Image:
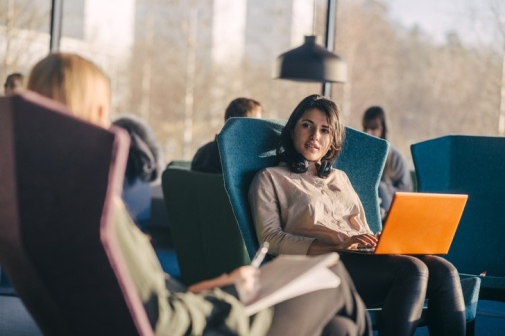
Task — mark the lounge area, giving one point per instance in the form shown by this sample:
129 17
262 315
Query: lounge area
198 223
108 227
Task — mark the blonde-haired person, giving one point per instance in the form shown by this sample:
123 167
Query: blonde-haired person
75 82
211 306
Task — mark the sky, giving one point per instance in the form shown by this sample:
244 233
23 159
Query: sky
437 17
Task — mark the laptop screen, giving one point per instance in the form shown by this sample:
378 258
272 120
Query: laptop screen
421 223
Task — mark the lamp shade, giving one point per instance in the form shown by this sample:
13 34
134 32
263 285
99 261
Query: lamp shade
310 63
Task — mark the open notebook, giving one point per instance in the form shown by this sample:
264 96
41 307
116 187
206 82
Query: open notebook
285 277
420 223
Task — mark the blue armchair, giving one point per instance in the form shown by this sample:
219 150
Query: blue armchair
248 145
473 165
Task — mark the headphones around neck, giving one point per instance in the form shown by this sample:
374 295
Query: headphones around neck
298 164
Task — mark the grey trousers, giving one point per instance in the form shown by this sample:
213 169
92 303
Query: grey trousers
336 311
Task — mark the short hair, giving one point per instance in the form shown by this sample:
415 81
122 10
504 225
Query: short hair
72 80
373 117
241 107
333 114
13 79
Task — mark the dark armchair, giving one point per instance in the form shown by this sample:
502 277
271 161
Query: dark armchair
57 241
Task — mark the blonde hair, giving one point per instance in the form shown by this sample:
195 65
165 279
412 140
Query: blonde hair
73 81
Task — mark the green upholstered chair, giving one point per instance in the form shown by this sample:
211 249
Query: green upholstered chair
248 145
205 234
59 176
473 165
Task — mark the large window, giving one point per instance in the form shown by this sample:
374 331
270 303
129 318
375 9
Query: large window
178 63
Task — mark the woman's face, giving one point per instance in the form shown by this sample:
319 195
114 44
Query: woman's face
312 135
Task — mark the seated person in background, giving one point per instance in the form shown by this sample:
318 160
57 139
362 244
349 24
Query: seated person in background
213 306
305 206
207 158
144 167
13 83
145 159
396 175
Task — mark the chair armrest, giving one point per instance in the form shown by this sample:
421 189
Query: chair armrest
471 287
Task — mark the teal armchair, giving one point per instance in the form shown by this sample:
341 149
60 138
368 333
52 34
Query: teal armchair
473 165
248 145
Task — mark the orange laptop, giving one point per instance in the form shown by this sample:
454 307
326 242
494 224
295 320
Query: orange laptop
420 223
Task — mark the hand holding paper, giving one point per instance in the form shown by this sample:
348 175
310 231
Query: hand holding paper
247 279
247 282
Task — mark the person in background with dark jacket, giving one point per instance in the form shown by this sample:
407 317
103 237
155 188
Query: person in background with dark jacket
145 160
13 83
396 175
144 167
207 158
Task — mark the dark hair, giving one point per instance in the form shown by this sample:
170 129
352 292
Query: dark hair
373 117
241 107
145 159
333 115
11 80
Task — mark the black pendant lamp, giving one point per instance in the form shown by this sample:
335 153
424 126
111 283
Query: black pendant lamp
311 63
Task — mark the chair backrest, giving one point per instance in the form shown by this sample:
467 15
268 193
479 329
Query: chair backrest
473 165
248 145
206 237
57 243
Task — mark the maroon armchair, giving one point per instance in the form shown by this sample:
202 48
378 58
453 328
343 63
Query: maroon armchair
58 176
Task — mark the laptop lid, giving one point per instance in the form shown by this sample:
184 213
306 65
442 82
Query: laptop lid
421 223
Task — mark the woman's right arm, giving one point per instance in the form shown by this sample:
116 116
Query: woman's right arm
363 240
265 206
318 247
